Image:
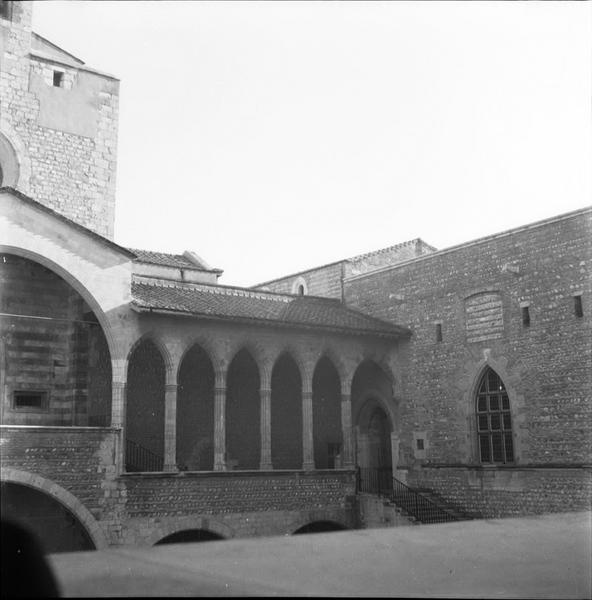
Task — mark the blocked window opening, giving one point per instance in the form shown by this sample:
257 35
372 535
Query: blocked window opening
525 316
58 79
28 400
438 332
578 308
494 420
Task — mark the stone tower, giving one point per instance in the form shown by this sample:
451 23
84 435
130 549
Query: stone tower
58 124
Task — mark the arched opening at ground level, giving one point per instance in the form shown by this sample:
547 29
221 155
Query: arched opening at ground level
144 449
195 412
190 535
56 528
320 527
57 366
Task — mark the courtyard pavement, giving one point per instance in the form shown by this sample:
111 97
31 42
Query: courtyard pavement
535 557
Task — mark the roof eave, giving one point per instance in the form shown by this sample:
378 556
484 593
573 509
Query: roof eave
400 333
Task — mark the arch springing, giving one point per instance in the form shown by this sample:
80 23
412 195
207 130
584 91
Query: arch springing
494 420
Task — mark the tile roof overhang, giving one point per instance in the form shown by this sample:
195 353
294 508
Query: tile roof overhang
243 305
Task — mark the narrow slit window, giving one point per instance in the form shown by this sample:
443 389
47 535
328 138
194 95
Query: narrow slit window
438 332
525 316
578 308
58 79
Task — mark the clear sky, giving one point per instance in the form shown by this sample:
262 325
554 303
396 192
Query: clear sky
270 137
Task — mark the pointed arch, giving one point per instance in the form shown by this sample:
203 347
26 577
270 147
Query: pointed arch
145 406
286 413
243 409
326 415
196 380
493 419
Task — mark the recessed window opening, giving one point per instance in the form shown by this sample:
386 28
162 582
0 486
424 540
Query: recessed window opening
301 290
6 10
30 400
58 79
438 332
494 420
578 308
419 442
525 316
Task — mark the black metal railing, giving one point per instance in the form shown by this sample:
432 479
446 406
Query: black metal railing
375 481
420 507
139 458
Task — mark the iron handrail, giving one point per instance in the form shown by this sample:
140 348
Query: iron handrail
140 458
422 508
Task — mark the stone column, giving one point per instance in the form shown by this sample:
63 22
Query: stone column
265 397
220 421
347 451
118 392
170 427
308 463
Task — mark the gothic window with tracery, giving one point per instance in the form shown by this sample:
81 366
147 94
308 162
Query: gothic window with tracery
494 420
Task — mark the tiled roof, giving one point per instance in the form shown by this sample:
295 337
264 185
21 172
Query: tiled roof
242 304
165 260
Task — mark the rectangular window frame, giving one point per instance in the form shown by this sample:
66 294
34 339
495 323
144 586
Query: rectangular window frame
42 407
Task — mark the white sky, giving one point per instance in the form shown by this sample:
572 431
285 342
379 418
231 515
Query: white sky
271 137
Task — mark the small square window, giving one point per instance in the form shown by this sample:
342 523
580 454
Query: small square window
578 308
58 79
30 400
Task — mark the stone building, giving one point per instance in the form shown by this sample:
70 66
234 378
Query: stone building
142 401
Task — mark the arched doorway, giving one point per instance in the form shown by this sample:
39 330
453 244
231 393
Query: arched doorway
195 412
243 446
374 449
190 535
144 430
286 414
56 528
57 368
320 527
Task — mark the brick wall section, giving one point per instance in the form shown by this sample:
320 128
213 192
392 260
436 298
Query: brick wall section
327 280
231 492
511 493
81 460
545 367
324 281
65 137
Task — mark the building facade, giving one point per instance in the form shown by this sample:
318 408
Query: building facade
142 401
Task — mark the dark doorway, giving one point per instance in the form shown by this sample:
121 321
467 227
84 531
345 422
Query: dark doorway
320 527
190 535
56 528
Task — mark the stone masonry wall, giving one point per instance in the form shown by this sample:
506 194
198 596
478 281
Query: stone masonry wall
476 293
65 138
143 508
324 281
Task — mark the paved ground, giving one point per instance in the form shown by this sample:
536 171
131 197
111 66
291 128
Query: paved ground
538 557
